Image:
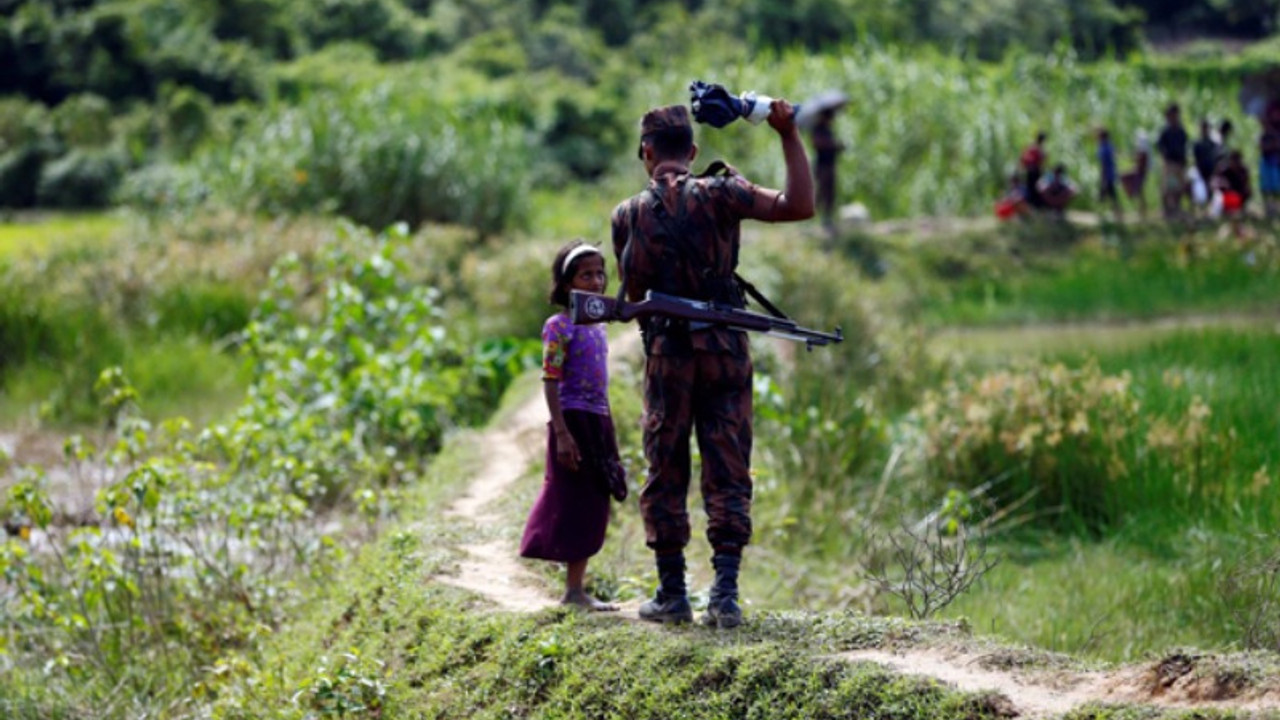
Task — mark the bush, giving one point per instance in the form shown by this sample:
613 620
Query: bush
81 179
83 121
187 120
207 308
382 24
1071 445
20 175
163 188
378 158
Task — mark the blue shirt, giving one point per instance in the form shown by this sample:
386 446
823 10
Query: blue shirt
1107 156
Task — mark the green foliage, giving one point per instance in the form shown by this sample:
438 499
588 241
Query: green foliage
377 158
345 686
1074 445
187 121
1134 274
198 539
81 178
385 25
377 362
25 144
83 121
163 189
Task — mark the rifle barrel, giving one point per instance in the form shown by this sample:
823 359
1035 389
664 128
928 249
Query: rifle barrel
585 308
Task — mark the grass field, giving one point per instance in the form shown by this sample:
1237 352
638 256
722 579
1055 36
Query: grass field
35 235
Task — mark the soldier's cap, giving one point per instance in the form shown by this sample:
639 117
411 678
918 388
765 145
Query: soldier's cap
671 117
663 120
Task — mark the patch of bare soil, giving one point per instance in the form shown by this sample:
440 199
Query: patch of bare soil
1177 682
490 569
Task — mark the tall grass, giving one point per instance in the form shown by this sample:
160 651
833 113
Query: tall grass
932 134
1159 274
32 236
378 157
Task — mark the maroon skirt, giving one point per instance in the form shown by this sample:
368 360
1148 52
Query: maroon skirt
568 520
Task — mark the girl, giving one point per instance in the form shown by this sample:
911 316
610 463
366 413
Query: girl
567 523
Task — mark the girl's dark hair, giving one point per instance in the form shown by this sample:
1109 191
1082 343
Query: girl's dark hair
561 275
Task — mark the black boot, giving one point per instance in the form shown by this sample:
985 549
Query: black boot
671 604
722 609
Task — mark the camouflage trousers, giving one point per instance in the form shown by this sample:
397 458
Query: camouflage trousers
710 394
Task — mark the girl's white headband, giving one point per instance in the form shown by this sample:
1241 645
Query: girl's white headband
576 253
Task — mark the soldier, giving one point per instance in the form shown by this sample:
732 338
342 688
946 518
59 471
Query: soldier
681 236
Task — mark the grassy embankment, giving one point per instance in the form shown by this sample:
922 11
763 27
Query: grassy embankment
1144 528
386 640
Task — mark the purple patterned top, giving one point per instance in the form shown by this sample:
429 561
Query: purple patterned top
577 356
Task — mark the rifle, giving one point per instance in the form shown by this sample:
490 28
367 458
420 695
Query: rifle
588 308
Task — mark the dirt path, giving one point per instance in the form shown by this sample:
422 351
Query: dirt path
492 571
490 568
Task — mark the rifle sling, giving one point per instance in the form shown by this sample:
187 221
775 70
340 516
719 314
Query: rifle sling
691 252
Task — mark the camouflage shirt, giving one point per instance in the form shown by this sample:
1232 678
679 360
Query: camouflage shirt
695 266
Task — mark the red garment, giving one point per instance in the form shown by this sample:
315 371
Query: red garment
1033 158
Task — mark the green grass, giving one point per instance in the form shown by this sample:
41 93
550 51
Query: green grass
1113 599
1000 284
1235 374
174 376
1158 579
38 235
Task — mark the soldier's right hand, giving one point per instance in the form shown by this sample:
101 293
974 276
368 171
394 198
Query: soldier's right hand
782 117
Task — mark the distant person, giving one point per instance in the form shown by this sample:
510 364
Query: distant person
1135 181
1057 190
568 520
1269 159
1233 179
1172 146
1233 190
1013 204
1225 130
827 148
1033 160
1207 153
1108 176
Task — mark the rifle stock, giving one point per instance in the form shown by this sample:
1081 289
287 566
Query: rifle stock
589 308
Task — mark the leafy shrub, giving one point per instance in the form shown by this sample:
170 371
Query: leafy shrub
207 308
504 307
377 359
20 175
26 143
21 123
378 158
496 54
585 137
83 121
81 178
163 187
187 120
383 24
191 551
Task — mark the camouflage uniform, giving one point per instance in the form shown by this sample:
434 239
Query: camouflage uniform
681 236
